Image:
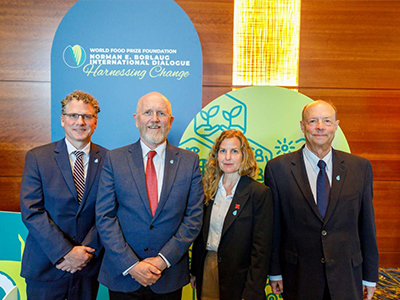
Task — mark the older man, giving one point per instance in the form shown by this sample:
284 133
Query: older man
149 209
58 194
324 243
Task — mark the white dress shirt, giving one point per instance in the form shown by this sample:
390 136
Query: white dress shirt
219 210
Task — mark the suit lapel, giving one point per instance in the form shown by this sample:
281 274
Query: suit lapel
299 172
62 160
171 166
238 202
338 177
93 168
135 161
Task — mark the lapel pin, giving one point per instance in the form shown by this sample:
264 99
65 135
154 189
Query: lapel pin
338 177
237 206
96 160
171 161
235 212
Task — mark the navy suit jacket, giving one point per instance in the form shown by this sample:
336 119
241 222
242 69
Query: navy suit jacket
245 245
306 248
128 230
50 210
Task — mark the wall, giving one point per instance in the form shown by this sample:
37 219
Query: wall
349 53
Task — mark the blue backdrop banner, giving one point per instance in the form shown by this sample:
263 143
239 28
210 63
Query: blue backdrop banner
120 50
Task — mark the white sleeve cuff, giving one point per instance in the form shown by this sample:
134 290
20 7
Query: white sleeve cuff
127 270
369 283
165 260
275 277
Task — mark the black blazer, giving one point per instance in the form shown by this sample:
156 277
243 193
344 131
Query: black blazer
245 246
305 246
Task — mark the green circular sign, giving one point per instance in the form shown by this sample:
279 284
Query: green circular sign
268 116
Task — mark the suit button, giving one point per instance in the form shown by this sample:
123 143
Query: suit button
323 260
324 232
151 227
146 249
219 259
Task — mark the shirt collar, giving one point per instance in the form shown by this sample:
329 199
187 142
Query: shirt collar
71 148
160 149
313 159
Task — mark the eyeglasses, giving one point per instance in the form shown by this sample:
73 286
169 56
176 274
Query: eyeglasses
74 116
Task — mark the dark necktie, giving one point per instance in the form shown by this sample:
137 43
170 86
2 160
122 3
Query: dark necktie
79 174
151 182
323 189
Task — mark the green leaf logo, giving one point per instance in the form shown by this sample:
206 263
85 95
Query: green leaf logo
74 56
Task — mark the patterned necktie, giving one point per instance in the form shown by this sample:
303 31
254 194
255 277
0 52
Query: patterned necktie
323 189
79 174
151 182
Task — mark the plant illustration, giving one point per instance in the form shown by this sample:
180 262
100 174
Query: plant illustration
229 116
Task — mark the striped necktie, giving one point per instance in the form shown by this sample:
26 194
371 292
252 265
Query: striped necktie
79 174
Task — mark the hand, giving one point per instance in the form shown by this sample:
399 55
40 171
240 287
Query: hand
76 259
370 291
158 262
145 273
193 281
277 286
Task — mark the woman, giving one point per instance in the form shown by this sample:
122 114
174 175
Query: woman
231 254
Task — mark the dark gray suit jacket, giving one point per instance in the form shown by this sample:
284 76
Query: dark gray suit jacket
128 230
50 210
305 246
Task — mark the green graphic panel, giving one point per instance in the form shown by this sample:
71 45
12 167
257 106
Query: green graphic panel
13 235
270 119
268 116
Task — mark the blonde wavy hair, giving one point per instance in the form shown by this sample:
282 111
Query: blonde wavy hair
213 173
80 96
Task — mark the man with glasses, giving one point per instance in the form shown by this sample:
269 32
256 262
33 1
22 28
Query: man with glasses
58 191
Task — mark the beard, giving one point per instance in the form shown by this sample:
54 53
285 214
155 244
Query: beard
155 138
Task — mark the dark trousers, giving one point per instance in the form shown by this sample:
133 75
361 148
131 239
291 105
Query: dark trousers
326 295
71 287
145 293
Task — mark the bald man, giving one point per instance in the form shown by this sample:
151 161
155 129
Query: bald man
324 244
149 209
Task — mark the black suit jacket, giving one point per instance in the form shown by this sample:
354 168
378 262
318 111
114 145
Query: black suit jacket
245 246
50 210
305 246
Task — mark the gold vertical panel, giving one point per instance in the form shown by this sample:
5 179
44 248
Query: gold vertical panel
266 42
